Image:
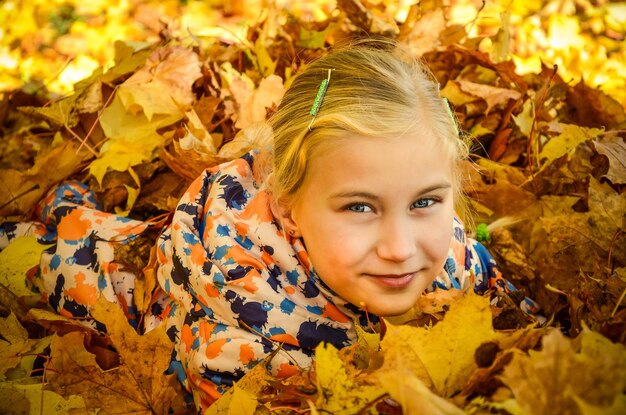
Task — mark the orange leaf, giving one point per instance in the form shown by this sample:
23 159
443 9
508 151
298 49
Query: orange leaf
137 385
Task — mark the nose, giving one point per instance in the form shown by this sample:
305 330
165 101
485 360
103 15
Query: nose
397 240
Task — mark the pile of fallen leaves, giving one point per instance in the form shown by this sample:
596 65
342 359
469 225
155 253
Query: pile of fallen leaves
548 177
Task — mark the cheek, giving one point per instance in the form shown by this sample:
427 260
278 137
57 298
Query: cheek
439 238
333 246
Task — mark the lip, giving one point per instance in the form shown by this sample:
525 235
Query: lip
394 280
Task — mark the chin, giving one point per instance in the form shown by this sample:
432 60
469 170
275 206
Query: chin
390 311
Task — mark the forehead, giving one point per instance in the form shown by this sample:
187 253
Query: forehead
381 165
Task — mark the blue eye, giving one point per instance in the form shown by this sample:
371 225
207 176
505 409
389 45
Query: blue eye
359 208
424 203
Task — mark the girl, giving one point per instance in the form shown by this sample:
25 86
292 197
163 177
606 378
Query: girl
356 217
355 220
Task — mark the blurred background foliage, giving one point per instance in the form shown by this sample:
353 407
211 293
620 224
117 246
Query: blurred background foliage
56 43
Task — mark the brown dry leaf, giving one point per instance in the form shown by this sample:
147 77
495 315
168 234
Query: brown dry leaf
421 33
144 287
250 104
19 192
138 385
431 305
510 256
55 322
453 93
65 112
550 381
495 185
163 85
492 358
614 148
593 108
494 96
564 245
197 148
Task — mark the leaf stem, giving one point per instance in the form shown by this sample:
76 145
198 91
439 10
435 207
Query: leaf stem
619 302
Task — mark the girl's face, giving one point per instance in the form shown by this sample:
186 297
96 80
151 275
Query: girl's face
376 218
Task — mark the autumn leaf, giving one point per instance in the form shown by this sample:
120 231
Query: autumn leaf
30 398
192 85
564 372
137 385
414 396
339 392
16 259
442 356
54 322
249 104
494 96
614 148
17 352
22 190
13 344
132 138
153 97
580 235
241 399
569 137
366 347
163 85
431 306
421 32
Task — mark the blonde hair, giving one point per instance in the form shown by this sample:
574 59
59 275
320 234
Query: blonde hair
376 90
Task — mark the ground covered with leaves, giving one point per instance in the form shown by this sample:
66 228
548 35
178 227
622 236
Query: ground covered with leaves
180 86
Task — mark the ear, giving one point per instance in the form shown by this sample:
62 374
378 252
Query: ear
283 212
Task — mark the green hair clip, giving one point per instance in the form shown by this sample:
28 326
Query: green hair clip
482 233
451 114
319 98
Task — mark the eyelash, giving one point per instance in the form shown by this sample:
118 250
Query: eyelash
432 200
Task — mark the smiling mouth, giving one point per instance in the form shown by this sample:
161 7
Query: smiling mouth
394 280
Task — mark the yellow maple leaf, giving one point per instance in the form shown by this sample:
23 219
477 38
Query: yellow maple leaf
414 396
569 137
132 138
237 401
16 259
13 344
31 398
442 356
163 85
339 392
17 351
137 385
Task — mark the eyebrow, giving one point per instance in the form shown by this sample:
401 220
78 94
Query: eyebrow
371 196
